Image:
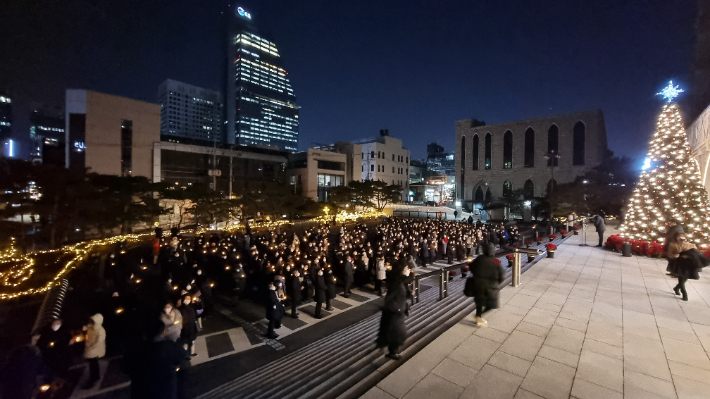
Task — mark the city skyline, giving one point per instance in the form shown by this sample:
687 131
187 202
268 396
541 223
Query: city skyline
414 70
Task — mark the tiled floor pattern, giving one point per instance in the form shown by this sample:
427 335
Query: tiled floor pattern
587 324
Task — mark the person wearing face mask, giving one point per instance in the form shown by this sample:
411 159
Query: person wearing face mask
95 348
330 294
349 276
188 334
172 319
294 291
321 293
274 312
393 331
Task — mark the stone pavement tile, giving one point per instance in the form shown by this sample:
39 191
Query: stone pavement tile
603 348
523 394
376 393
690 338
578 304
514 309
571 324
606 309
400 381
703 334
548 306
576 314
540 317
684 352
474 352
689 389
522 345
555 298
549 379
492 334
586 390
640 324
510 363
689 372
494 383
646 356
453 371
643 382
522 301
504 321
606 333
528 292
636 393
533 329
565 339
598 318
586 295
434 386
696 312
601 370
675 324
641 306
559 355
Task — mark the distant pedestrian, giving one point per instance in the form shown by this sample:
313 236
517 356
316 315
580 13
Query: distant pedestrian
393 331
487 277
456 215
294 292
598 222
188 334
381 274
321 293
349 276
95 348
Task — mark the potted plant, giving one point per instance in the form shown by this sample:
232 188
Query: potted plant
510 258
553 237
576 230
539 240
551 248
528 243
496 261
564 233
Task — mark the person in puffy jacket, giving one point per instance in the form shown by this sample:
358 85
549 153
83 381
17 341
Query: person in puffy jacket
95 348
172 318
380 274
487 276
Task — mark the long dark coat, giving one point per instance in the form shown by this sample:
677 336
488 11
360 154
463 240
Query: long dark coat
330 282
487 276
293 288
393 331
349 273
152 368
274 308
189 323
689 263
321 289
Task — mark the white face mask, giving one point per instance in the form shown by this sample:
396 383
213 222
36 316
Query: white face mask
199 272
56 327
168 310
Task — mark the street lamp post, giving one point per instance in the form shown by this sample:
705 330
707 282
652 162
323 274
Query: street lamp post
552 156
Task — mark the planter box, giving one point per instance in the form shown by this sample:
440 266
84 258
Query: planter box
550 254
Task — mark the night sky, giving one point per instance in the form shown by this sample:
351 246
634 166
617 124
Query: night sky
413 67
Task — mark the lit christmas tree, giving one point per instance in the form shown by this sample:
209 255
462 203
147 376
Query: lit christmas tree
669 186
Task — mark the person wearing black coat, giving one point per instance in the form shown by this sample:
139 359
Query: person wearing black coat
487 276
330 282
687 265
188 334
348 277
274 312
293 290
153 366
321 293
393 331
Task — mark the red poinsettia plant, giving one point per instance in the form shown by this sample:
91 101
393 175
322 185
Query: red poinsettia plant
496 261
510 257
563 232
539 239
553 236
576 227
551 247
528 243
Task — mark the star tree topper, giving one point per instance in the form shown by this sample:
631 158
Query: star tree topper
670 92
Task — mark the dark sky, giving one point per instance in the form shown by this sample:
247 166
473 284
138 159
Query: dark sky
413 67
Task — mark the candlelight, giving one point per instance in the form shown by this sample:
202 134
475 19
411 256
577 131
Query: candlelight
119 310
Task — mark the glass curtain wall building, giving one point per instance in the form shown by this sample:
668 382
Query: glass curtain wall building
261 105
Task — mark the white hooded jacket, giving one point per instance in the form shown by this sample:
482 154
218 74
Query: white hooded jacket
95 339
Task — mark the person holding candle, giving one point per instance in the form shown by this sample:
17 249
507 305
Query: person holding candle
95 348
393 331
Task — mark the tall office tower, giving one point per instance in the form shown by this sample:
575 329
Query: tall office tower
47 134
261 106
8 145
189 112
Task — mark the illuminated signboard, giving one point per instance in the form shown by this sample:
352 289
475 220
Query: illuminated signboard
79 145
242 12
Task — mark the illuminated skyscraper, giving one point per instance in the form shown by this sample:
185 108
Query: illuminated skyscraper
261 106
8 145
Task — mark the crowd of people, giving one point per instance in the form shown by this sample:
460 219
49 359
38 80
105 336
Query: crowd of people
155 301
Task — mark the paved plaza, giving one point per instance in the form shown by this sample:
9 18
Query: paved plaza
587 324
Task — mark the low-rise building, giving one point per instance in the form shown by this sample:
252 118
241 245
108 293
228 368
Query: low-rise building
494 160
385 159
314 172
